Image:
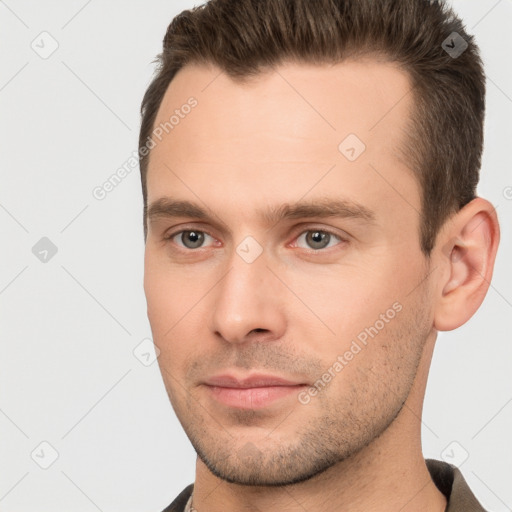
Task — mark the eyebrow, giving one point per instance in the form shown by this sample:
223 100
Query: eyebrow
167 207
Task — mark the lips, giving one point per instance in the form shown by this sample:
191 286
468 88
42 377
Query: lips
252 392
253 381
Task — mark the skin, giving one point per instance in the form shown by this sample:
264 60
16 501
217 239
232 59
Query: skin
356 444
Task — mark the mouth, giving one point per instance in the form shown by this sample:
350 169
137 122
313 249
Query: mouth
253 392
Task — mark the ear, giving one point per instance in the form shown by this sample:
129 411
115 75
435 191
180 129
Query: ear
465 253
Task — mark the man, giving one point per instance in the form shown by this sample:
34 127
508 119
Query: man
309 173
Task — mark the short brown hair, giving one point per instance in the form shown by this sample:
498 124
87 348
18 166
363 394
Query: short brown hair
246 37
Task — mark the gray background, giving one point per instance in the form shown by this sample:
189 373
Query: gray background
69 326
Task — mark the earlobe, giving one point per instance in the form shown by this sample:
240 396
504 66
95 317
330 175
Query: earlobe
467 256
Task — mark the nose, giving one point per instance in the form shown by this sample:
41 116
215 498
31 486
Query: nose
249 303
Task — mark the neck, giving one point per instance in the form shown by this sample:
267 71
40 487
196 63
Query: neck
388 474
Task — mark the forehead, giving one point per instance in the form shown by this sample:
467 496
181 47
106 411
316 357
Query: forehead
367 97
281 131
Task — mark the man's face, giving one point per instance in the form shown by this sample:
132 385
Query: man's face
340 300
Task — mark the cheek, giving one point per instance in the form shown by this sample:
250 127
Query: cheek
168 290
342 301
174 299
164 297
359 314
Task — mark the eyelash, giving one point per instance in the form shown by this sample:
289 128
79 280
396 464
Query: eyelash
342 240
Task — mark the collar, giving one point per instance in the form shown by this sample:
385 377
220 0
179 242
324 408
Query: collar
447 478
451 483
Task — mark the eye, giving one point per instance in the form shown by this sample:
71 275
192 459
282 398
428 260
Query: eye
316 239
319 239
190 239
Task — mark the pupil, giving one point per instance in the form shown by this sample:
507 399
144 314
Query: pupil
193 239
318 237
